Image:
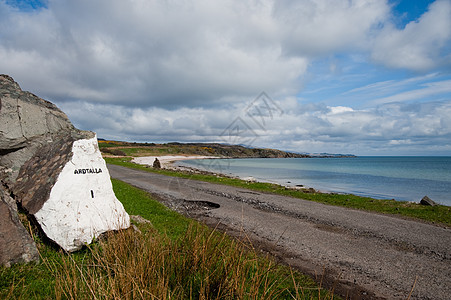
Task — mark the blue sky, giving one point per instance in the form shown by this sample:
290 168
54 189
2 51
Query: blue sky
368 77
406 11
27 5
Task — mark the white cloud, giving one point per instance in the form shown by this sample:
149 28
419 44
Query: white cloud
340 109
147 53
322 27
418 46
184 70
196 53
391 85
427 90
304 128
178 53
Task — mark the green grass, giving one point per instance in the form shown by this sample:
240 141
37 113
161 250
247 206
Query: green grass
435 214
35 280
145 151
218 253
172 258
149 150
138 202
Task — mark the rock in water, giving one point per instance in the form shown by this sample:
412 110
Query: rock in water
54 171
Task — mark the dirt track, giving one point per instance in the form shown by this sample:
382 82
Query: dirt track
366 255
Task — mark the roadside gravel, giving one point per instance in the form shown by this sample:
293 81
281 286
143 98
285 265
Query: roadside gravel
363 255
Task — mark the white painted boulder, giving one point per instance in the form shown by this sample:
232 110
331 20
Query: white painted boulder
82 205
53 173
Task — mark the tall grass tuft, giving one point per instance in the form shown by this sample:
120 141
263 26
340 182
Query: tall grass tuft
204 264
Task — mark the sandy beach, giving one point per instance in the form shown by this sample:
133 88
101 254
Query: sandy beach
167 161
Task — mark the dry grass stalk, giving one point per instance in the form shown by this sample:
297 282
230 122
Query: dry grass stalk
202 265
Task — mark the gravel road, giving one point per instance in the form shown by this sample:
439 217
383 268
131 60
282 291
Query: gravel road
364 255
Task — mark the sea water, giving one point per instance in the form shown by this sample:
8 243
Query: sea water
403 178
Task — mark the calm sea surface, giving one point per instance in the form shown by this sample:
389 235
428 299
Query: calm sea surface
404 178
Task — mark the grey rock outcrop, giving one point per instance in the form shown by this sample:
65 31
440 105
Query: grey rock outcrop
17 246
36 144
156 164
427 201
27 123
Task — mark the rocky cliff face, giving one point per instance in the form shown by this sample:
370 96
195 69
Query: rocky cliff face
36 144
27 123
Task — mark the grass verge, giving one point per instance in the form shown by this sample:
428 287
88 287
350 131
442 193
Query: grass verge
439 214
172 258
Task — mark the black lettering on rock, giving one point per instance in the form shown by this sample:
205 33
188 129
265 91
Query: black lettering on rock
88 171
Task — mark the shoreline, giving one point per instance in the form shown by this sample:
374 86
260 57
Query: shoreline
346 187
169 162
369 185
301 233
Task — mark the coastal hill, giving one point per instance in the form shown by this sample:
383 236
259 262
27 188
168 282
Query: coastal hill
208 149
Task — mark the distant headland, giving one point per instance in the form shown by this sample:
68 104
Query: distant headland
120 148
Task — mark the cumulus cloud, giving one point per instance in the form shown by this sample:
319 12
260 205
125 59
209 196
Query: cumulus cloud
195 53
419 46
301 128
147 52
322 27
186 70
